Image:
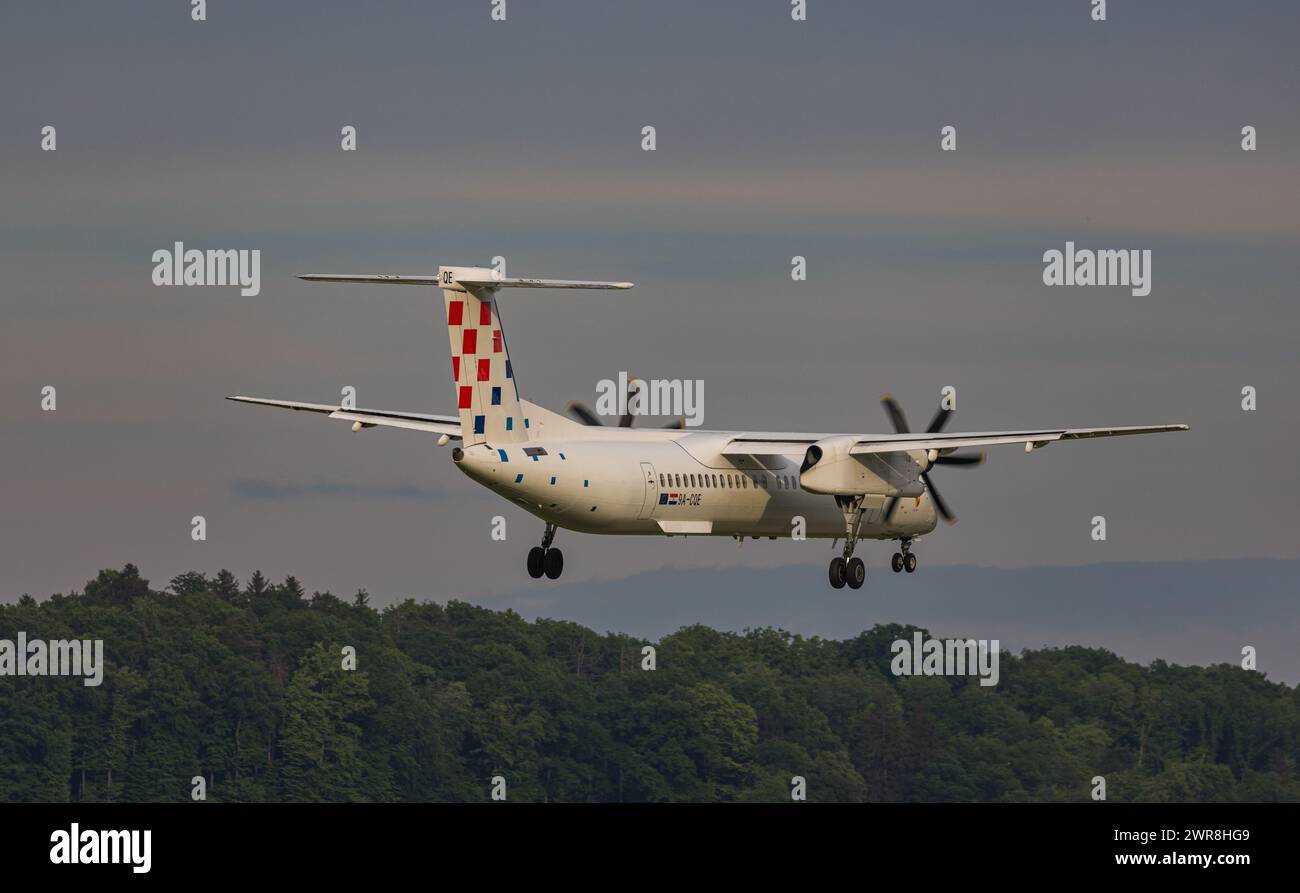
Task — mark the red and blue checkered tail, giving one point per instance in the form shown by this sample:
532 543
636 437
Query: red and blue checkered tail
486 390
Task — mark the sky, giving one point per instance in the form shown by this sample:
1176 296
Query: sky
523 139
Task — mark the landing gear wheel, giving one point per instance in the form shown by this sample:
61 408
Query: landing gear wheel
536 559
838 573
856 572
909 562
897 562
554 563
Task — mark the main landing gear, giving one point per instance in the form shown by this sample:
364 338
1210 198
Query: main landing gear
849 569
545 560
904 559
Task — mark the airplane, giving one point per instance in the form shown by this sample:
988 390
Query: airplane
590 478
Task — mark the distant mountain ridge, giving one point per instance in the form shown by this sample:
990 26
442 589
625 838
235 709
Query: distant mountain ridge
1192 612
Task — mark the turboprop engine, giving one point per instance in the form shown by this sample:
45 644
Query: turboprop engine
828 467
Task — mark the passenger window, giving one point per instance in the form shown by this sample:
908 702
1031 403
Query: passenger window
661 479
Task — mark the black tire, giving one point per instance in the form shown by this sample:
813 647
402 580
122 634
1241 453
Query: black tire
909 563
856 572
536 561
837 573
897 562
554 563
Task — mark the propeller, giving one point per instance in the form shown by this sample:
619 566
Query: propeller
582 412
937 424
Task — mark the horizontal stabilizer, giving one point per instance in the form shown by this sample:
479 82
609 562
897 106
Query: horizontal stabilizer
414 421
542 283
461 278
381 278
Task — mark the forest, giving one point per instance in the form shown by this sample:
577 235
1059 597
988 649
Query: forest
249 686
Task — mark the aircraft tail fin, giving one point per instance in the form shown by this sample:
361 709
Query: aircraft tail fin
487 392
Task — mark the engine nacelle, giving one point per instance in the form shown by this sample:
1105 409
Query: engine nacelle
829 468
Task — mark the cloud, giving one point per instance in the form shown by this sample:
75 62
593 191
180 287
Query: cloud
1137 192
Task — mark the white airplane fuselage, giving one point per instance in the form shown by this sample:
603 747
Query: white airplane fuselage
675 483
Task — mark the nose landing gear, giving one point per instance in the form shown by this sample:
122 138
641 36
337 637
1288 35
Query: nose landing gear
904 560
545 560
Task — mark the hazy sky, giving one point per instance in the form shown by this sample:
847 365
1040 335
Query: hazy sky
523 139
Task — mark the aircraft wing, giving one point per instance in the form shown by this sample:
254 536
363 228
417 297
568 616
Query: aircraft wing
414 421
891 443
795 445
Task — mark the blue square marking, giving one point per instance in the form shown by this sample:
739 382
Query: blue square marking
519 479
510 423
509 372
479 421
552 482
586 483
496 396
502 454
